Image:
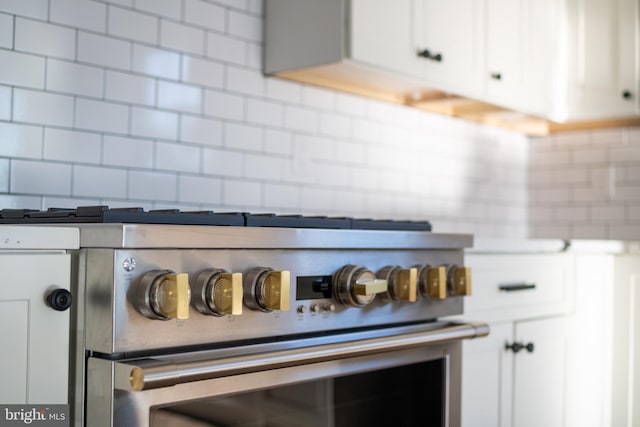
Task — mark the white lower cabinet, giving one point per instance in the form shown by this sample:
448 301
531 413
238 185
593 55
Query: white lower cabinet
526 387
582 319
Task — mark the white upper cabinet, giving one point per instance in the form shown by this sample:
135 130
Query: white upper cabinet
564 60
602 69
380 35
450 41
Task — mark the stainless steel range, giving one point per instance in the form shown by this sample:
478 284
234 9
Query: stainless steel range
264 320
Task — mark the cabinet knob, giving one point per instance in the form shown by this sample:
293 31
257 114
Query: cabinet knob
627 94
59 299
426 53
496 76
517 346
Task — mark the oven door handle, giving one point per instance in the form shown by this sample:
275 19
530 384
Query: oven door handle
149 373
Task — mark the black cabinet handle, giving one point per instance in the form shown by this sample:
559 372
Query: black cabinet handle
627 94
59 299
517 346
426 53
511 287
496 76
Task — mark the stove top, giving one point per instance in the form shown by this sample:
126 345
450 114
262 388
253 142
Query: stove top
137 215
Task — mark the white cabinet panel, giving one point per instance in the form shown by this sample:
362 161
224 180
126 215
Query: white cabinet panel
37 359
539 375
14 328
382 34
487 379
455 30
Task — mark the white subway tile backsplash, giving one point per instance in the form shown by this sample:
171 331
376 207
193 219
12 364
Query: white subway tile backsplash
177 157
130 88
132 25
282 196
20 202
589 231
6 31
226 49
200 130
45 39
203 72
152 123
283 90
99 182
105 51
607 213
549 195
30 177
223 105
127 152
243 137
625 231
254 56
222 163
255 6
316 97
203 14
20 140
627 154
265 112
181 37
301 119
85 14
195 189
33 8
278 142
72 78
180 97
572 213
250 82
245 26
591 156
101 116
335 125
5 103
168 8
42 108
4 176
242 193
22 70
633 213
156 62
628 192
263 167
157 186
236 4
351 105
71 146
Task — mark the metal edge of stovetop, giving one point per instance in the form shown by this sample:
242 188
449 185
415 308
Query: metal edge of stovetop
224 237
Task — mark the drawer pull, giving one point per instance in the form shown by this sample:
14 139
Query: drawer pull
511 287
517 346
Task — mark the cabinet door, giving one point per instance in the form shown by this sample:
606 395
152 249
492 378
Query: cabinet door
539 375
603 49
34 356
453 29
625 402
382 34
487 379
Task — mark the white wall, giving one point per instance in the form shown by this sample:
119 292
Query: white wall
586 185
161 103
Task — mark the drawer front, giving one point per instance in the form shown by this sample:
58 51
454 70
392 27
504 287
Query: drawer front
518 286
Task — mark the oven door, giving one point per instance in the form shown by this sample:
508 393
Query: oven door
403 376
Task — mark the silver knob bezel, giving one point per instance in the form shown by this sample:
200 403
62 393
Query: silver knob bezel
344 283
203 289
253 289
147 300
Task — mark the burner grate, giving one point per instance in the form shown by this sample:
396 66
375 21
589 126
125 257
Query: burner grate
137 215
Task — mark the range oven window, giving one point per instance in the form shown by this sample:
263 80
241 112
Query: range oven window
411 395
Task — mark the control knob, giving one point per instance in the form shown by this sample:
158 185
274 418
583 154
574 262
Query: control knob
163 295
218 292
267 290
432 281
401 283
356 286
459 280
